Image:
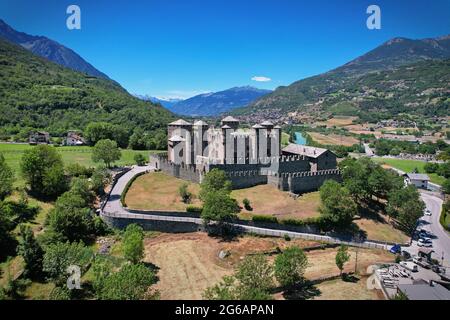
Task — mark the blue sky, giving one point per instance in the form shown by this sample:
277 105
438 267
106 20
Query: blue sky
178 48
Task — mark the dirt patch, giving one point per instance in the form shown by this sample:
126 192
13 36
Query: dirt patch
322 262
341 290
190 263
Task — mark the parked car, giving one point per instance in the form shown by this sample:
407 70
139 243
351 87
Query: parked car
409 265
406 254
438 269
425 239
427 212
422 243
396 249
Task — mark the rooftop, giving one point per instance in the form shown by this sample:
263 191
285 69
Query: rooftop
311 152
425 291
200 123
180 122
230 119
418 176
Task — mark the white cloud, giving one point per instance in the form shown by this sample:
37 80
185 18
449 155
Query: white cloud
261 79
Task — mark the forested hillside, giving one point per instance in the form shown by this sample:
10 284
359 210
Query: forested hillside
38 94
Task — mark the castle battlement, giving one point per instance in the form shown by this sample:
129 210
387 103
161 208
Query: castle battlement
248 158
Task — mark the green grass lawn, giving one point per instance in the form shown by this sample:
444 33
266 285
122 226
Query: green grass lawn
81 155
409 166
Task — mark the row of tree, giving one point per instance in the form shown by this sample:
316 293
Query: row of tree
254 277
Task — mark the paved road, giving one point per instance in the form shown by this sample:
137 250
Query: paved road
369 151
113 204
441 238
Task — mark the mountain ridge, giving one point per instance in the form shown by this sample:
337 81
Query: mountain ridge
390 55
216 103
49 49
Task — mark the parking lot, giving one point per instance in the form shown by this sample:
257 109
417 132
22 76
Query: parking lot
390 276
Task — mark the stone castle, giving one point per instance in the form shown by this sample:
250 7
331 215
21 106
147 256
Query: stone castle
249 157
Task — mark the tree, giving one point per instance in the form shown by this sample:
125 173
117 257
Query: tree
184 193
342 257
97 131
6 178
446 186
251 281
70 218
107 151
132 282
255 272
337 206
43 170
214 180
59 256
219 206
139 159
230 289
406 207
7 241
290 266
431 167
100 178
31 252
133 243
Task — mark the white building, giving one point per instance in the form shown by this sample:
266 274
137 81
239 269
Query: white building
419 180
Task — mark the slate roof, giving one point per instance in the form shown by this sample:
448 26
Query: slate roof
418 176
311 152
180 122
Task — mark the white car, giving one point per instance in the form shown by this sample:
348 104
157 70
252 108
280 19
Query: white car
424 243
409 266
427 212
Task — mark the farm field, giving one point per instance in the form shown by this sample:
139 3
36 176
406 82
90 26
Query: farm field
158 191
338 121
81 155
409 166
333 139
189 263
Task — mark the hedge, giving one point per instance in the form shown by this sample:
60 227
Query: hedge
262 218
194 209
127 187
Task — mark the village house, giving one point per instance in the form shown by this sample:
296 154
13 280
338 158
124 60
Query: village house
74 139
419 180
39 137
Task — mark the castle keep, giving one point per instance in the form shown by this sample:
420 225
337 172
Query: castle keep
249 157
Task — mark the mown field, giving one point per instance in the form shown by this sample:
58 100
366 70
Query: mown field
410 166
81 155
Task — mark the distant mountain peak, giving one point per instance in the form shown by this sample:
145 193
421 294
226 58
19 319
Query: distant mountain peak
216 103
49 49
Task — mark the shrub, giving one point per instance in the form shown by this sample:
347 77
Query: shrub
247 204
194 209
293 222
139 159
263 218
185 195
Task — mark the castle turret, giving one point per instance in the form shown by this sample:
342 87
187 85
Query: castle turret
180 142
200 139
